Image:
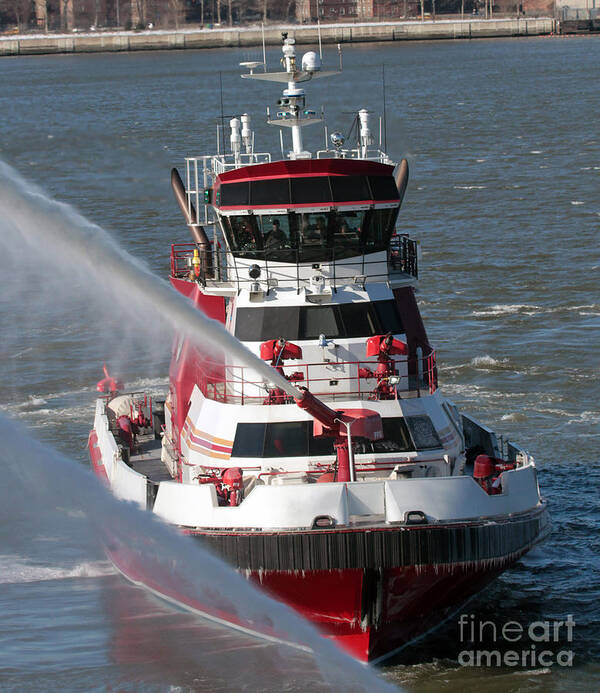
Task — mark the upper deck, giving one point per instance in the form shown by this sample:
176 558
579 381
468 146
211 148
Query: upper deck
290 218
311 220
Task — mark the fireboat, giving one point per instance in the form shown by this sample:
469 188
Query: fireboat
348 486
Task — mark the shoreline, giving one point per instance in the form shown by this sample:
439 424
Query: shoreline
124 41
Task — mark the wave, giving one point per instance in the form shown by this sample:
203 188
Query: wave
508 309
586 417
148 383
469 187
487 362
515 416
17 570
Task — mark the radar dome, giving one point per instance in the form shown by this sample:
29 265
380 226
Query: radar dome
311 62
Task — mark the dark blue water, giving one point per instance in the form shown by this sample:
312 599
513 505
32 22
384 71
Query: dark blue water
504 151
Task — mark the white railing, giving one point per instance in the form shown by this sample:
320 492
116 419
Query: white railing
126 483
201 172
372 155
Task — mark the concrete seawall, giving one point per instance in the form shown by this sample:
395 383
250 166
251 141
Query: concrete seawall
221 38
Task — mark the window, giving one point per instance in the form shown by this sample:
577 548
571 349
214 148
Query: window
349 188
318 320
383 188
359 319
295 439
314 189
396 437
389 320
423 433
347 233
275 230
379 224
308 189
348 320
310 237
284 439
243 234
313 229
249 440
235 194
259 324
270 192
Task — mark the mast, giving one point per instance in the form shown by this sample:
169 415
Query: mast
291 111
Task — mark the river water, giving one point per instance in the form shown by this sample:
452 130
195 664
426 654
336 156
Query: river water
504 197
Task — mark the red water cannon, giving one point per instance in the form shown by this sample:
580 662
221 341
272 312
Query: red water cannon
328 423
228 483
233 483
486 471
276 351
109 385
383 347
140 419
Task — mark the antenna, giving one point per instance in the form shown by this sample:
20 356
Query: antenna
352 126
384 109
320 44
262 26
222 116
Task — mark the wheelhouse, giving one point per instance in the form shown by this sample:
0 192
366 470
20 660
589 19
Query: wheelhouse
307 211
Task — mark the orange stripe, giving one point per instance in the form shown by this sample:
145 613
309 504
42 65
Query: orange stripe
214 439
208 453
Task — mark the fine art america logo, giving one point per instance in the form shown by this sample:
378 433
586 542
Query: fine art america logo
513 644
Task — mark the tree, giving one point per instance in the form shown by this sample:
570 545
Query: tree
67 16
41 14
17 11
176 7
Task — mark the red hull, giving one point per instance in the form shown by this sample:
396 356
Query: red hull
412 600
370 608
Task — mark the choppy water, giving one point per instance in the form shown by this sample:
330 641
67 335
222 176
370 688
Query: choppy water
504 196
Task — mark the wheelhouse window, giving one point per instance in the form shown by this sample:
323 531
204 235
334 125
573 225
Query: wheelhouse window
314 230
277 232
307 190
234 194
311 189
274 192
383 188
348 320
309 236
378 229
348 188
243 234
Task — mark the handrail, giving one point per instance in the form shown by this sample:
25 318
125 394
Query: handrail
401 258
231 383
